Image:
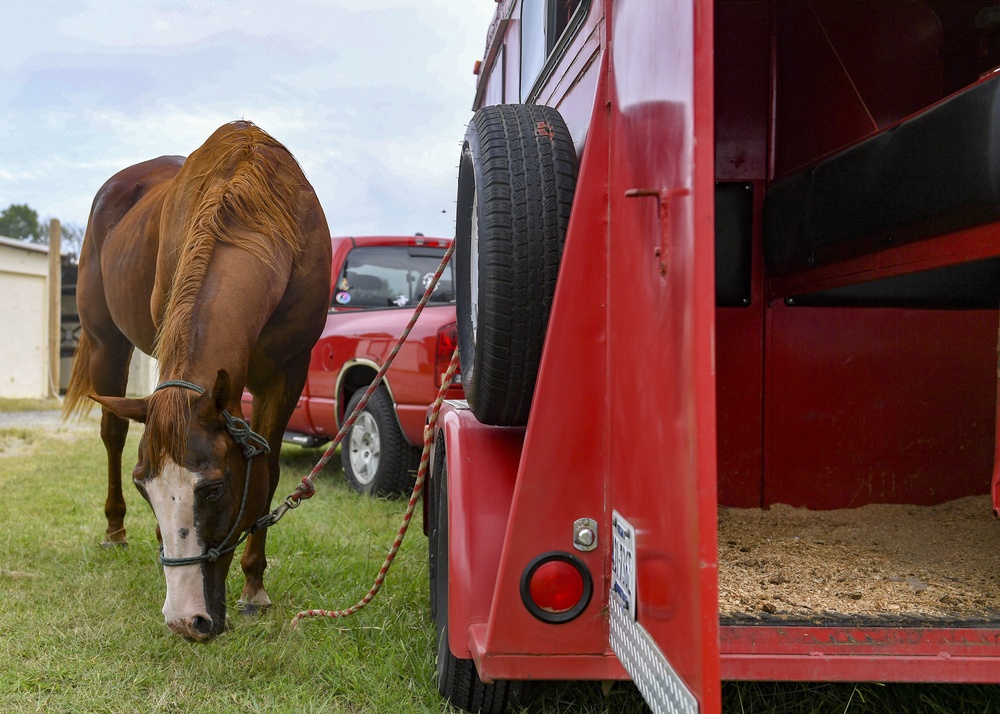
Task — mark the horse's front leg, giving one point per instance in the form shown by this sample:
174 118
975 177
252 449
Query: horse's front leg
272 408
254 597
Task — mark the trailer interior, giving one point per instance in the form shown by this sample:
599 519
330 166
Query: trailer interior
857 290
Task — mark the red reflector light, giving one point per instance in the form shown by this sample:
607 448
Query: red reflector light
447 341
556 587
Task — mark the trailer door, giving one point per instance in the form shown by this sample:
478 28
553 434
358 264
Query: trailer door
664 621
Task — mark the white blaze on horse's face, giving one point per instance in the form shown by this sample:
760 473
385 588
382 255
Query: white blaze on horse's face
172 496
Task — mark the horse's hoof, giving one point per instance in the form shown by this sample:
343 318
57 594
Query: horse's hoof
110 544
253 603
248 609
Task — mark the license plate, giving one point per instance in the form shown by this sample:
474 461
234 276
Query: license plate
623 563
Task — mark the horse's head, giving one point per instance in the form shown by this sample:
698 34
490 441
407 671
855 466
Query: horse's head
196 469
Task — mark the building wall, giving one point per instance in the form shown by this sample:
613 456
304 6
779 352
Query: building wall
24 350
143 375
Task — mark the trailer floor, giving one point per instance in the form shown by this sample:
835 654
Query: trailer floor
882 565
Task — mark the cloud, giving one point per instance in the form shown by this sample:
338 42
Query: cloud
370 95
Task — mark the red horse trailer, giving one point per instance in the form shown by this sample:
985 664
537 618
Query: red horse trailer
728 280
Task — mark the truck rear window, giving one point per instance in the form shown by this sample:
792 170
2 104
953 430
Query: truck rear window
391 276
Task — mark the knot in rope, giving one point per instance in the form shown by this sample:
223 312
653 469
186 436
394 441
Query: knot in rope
211 555
253 443
303 490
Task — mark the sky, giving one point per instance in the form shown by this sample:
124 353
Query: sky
371 96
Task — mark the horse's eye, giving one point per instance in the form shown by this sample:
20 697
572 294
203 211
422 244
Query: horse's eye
214 492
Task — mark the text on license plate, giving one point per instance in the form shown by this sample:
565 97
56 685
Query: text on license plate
623 563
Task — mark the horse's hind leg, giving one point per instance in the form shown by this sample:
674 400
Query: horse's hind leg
114 431
109 373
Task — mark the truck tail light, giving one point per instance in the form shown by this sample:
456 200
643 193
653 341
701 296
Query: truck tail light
556 587
447 341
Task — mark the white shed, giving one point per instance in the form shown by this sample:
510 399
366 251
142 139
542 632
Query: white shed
24 319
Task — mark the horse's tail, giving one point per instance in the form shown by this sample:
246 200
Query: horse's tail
80 385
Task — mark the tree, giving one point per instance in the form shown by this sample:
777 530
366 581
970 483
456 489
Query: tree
71 240
20 221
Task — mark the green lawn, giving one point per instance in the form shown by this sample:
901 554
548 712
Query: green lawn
81 629
29 405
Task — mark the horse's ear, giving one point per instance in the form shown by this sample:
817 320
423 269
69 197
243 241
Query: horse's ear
212 403
221 390
124 407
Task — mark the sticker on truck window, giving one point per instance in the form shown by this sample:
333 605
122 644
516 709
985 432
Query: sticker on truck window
623 563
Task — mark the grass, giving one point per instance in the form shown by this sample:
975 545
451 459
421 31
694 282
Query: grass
81 630
15 438
29 405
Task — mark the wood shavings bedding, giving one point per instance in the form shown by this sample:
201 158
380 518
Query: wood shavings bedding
878 560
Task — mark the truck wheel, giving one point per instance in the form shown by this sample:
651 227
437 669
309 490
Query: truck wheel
375 456
516 181
458 680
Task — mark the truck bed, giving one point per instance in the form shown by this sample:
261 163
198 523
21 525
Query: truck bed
876 565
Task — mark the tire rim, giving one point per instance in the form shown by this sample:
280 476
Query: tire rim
366 448
474 266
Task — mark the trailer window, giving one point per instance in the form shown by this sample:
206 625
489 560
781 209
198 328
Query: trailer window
496 90
543 24
391 276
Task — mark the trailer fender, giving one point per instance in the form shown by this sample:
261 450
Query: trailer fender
482 468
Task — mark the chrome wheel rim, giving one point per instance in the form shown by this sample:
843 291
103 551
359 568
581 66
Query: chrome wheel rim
365 448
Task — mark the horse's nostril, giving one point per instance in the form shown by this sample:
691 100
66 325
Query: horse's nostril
202 625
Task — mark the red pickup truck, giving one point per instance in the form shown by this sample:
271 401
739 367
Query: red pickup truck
377 283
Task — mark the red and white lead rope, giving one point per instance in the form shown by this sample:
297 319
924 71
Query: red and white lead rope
306 489
417 487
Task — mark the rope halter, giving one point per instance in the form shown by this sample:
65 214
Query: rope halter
253 444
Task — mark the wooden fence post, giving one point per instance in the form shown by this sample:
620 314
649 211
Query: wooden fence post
55 305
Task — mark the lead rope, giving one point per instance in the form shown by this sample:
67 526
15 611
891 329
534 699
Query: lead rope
401 533
306 488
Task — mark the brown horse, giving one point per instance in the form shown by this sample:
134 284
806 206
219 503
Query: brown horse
219 266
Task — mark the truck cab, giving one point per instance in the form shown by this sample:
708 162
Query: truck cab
377 282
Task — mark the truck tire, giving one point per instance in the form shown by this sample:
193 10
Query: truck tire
376 457
516 181
458 680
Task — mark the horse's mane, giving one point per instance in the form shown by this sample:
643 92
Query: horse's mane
247 199
170 411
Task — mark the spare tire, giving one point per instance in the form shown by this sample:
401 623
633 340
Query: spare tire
516 181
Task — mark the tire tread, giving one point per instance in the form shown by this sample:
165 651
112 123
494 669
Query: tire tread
525 181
